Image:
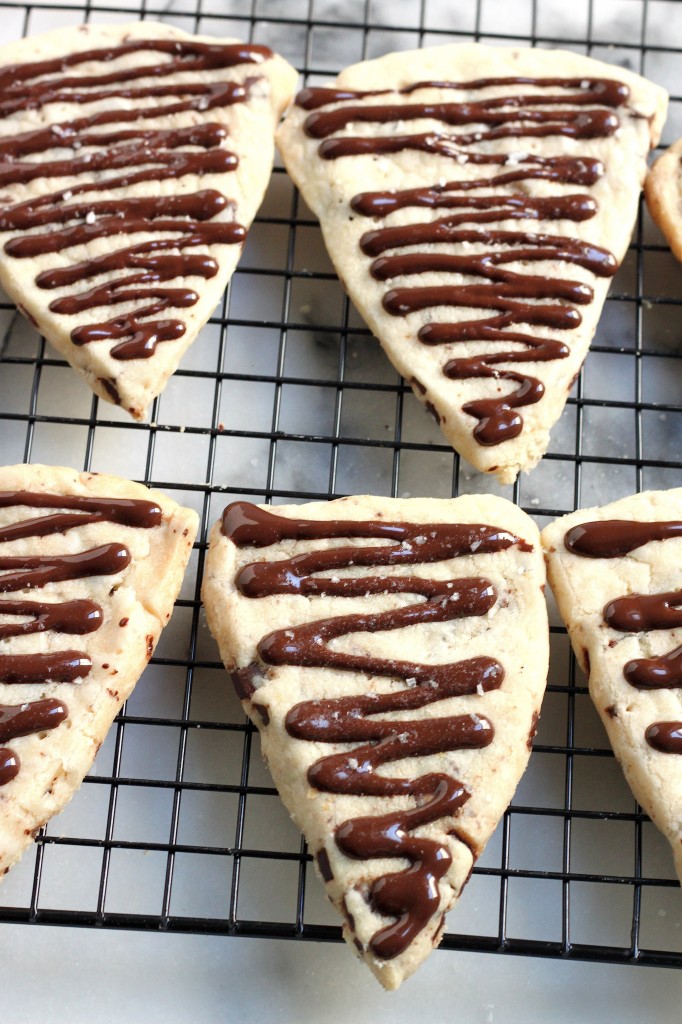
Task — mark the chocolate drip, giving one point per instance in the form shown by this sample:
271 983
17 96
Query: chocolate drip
610 538
154 147
439 143
637 613
58 666
410 896
609 92
125 511
580 109
149 155
246 525
497 418
75 617
22 720
186 55
520 122
29 571
664 672
567 170
35 716
665 737
9 765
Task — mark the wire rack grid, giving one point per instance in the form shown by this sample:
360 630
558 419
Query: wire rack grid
286 397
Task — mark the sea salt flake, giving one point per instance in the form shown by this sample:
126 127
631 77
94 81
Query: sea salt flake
516 158
335 579
90 217
475 546
67 195
479 689
411 682
353 763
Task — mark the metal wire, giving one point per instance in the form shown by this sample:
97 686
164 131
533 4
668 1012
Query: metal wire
287 397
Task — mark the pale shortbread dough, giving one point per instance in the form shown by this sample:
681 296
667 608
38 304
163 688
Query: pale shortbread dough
250 135
514 631
329 185
136 604
583 587
663 191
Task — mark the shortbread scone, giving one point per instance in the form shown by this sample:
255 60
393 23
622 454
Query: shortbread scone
133 159
90 566
393 654
476 202
663 191
616 572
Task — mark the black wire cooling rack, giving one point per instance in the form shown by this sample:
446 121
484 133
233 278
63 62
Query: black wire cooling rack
286 397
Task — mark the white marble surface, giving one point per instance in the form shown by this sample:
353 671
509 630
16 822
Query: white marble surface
85 977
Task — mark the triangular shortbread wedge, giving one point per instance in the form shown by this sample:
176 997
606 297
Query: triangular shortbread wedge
133 158
616 572
476 202
393 654
90 566
663 191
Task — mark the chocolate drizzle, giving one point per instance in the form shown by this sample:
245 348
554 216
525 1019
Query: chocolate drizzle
576 109
70 617
637 613
144 154
411 896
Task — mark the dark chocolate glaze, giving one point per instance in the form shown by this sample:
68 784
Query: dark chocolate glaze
576 109
145 155
71 617
665 737
637 613
58 667
609 92
35 716
74 617
610 538
409 896
664 672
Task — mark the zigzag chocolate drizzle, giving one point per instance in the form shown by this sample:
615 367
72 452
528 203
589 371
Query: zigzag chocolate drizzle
147 155
581 109
77 617
409 896
637 613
